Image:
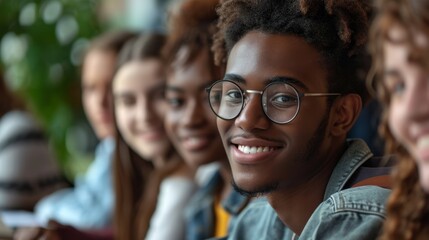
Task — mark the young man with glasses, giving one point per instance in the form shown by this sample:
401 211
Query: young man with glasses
291 92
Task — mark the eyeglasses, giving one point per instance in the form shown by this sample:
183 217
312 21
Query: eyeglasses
280 101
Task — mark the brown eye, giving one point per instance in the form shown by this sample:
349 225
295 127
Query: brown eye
398 88
125 100
395 87
174 100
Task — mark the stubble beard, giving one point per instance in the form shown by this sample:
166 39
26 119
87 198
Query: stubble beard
312 150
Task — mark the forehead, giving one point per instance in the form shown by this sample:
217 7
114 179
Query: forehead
138 74
399 44
395 54
98 66
198 72
263 56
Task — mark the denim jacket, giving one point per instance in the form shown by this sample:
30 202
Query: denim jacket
200 216
90 203
353 213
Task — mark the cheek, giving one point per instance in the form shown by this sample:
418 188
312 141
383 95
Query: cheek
170 123
161 109
123 120
397 121
223 126
88 101
211 119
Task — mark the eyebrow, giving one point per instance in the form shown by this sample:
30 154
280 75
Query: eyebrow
182 89
276 79
122 95
173 88
289 80
391 72
234 77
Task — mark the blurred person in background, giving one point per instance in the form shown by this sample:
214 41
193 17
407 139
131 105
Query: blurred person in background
152 182
28 166
190 123
89 204
400 49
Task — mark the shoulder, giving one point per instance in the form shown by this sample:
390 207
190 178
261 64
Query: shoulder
106 146
365 199
206 173
18 115
17 122
203 199
258 221
177 186
356 213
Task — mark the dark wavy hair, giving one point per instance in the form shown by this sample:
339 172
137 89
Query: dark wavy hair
408 205
336 28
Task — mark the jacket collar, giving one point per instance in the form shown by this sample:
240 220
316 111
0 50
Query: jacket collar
356 154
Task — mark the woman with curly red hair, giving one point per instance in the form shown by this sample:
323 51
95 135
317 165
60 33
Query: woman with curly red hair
400 48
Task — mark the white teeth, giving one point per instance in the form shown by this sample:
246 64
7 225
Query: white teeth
253 150
423 142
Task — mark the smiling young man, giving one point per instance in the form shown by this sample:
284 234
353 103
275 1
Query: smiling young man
291 92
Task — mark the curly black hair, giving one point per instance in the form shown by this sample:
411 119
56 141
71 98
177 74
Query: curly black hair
338 29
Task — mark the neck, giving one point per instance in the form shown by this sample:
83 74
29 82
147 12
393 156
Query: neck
226 174
162 161
295 205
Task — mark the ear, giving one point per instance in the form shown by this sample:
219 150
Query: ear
345 110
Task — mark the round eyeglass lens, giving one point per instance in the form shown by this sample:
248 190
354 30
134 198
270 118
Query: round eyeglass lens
226 99
280 102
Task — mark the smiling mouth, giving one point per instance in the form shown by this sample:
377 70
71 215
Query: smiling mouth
423 147
151 136
254 149
423 142
196 143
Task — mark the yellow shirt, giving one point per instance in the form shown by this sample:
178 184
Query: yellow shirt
221 219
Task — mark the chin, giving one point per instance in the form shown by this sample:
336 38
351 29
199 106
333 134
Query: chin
424 178
102 134
254 191
425 186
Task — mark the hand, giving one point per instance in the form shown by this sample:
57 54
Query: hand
39 233
57 231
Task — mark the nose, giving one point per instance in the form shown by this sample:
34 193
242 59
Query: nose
194 114
252 115
144 112
105 99
417 101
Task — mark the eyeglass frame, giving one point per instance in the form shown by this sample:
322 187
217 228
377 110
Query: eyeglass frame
251 91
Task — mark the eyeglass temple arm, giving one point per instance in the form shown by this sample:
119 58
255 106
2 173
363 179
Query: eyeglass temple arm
320 94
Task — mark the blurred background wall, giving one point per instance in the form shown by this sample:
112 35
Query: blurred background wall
41 45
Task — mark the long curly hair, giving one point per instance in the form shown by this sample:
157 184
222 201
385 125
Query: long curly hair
338 29
408 205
